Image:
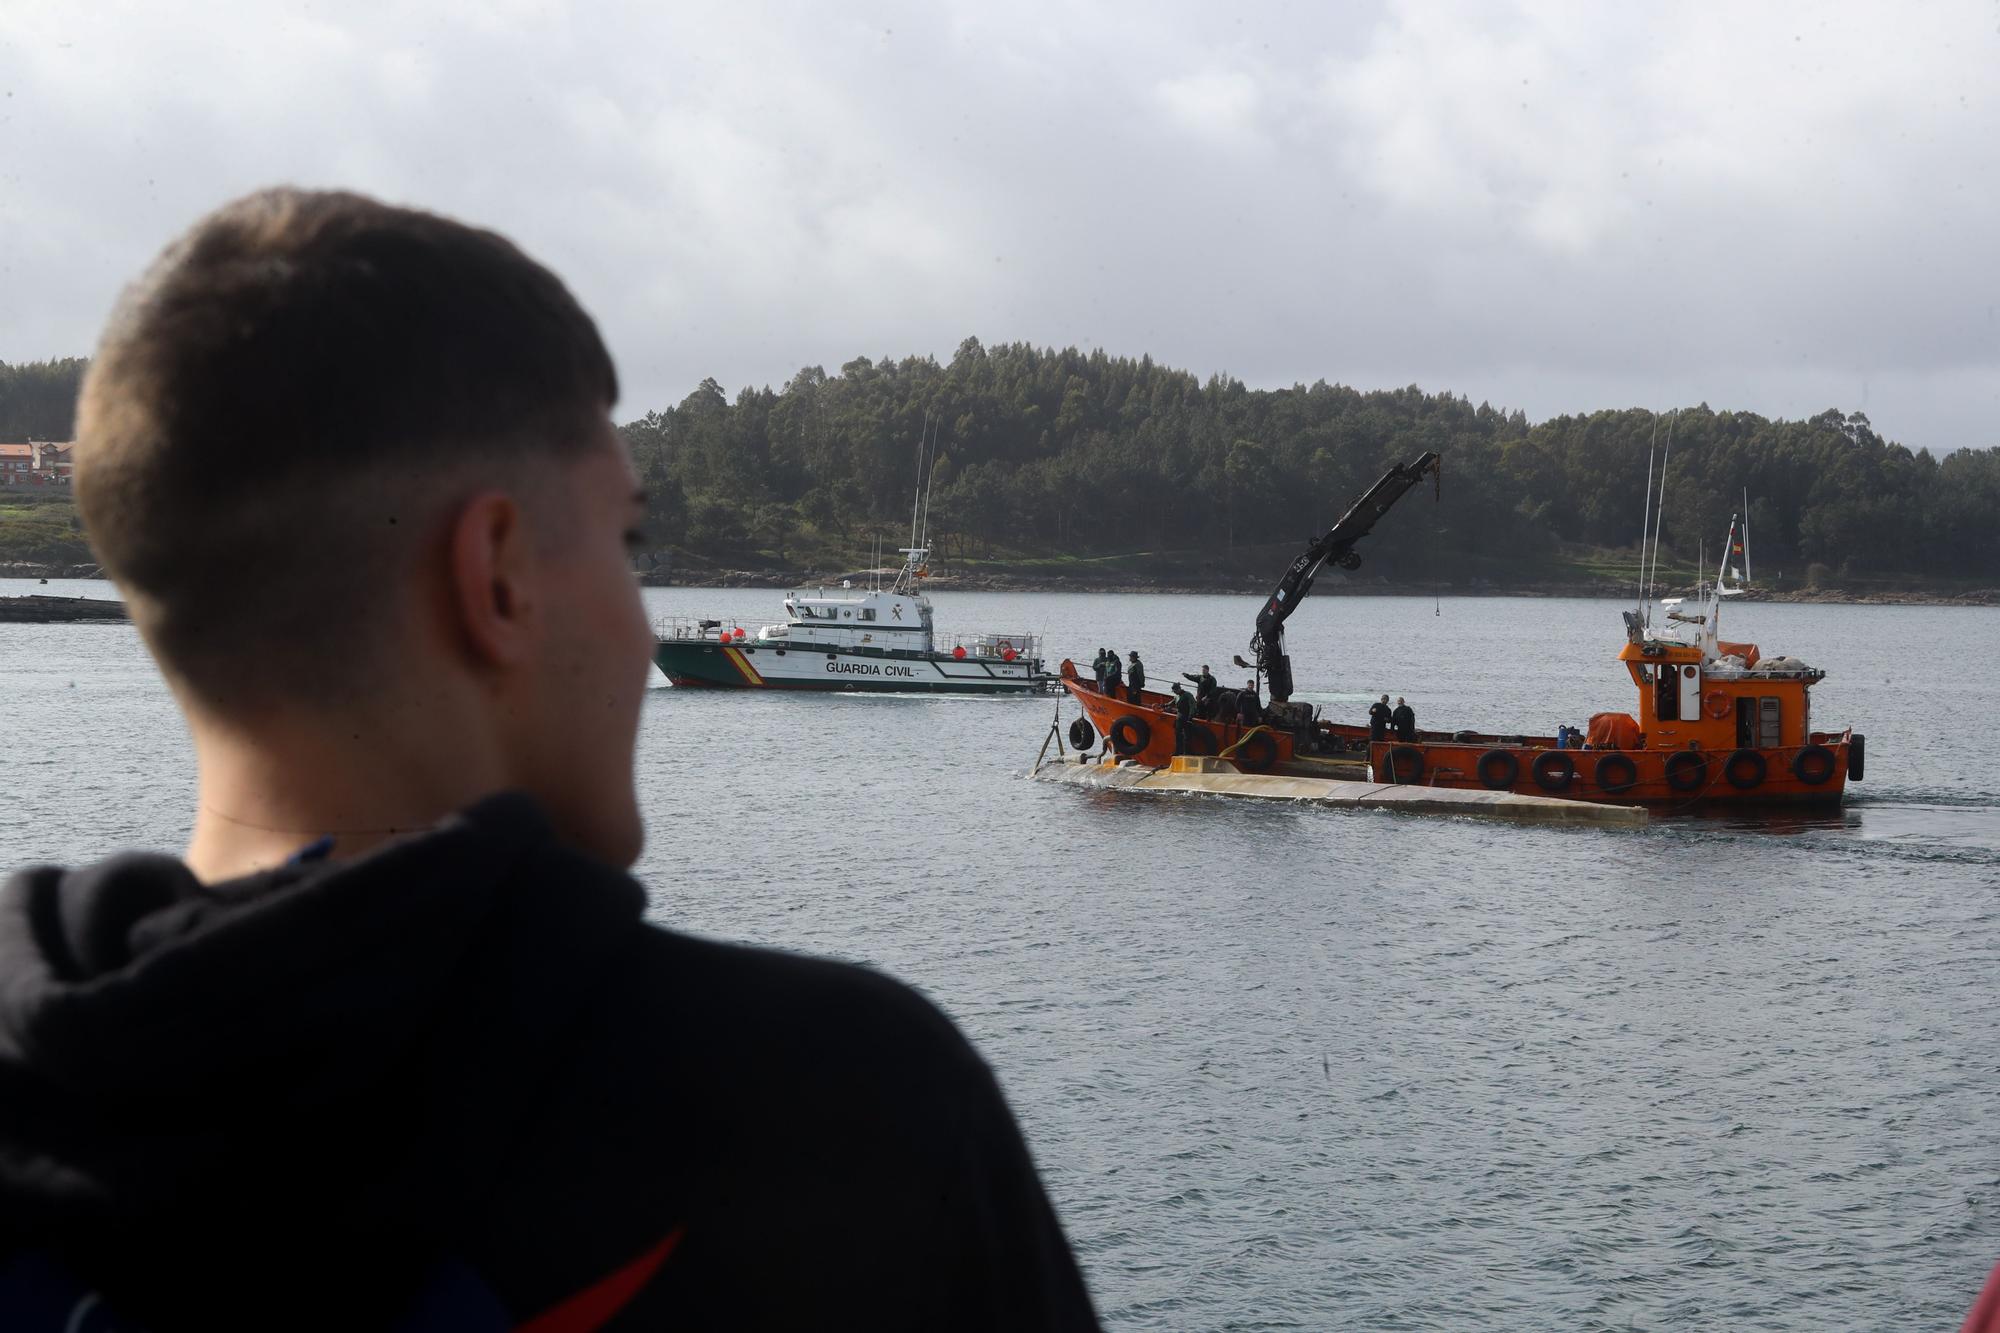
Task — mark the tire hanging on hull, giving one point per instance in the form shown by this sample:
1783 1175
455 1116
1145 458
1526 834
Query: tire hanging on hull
1130 734
1499 770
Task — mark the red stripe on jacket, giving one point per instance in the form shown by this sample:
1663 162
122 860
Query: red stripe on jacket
594 1306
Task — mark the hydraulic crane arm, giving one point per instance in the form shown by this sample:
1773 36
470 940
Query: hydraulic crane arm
1336 545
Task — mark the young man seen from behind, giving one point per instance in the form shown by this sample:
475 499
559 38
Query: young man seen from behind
393 1037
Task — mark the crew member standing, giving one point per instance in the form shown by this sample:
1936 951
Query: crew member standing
1137 675
1379 715
1114 675
1204 690
1097 669
1183 710
1248 710
1404 720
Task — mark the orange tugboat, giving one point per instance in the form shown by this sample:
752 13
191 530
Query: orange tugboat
1717 722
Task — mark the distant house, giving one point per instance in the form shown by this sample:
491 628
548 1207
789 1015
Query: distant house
54 463
37 463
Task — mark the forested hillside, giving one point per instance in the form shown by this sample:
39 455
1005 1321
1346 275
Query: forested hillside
38 399
1087 455
1065 461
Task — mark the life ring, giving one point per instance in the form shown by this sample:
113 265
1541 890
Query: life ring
1081 734
1404 763
1857 758
1615 773
1554 770
1499 769
1687 770
1200 740
1003 646
1745 769
1130 734
1813 765
1718 704
1257 753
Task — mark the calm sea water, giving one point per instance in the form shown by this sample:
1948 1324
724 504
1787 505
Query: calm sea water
1300 1068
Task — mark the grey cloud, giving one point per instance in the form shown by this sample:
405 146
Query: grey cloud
1550 207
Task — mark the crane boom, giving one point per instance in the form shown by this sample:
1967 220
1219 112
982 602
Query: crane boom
1336 545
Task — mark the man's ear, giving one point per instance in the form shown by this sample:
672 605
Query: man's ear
491 588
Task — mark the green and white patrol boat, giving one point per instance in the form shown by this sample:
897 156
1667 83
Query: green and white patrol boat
850 639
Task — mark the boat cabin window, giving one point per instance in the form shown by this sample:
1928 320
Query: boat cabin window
867 613
1666 696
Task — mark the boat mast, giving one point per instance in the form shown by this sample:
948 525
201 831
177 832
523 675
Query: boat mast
1646 513
1660 516
1746 536
917 496
920 507
930 474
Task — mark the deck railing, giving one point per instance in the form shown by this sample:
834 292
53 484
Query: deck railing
714 629
990 645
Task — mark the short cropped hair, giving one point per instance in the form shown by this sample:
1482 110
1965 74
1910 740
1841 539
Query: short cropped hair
274 401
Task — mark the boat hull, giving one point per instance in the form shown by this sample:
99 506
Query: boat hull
1151 741
1448 760
707 664
1777 775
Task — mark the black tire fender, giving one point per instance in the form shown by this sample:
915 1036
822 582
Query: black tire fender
1499 769
1615 773
1745 769
1687 770
1200 740
1405 764
1814 765
1857 757
1130 734
1554 770
1081 734
1257 754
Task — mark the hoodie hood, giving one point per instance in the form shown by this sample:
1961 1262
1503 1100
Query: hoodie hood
336 1049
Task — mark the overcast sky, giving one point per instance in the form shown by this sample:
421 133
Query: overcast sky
1555 207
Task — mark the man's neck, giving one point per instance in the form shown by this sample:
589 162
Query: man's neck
265 796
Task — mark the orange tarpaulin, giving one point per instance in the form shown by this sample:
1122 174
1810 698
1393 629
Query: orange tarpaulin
1746 651
1613 731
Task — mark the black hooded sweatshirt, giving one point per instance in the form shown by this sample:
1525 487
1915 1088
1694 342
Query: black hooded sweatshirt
462 1074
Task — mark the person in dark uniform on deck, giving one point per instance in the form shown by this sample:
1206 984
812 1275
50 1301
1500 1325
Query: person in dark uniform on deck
1404 720
1137 675
1114 675
1097 670
1249 711
1204 690
1183 711
1379 715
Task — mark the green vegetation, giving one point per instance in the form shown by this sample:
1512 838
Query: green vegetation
39 526
38 399
1100 468
1107 463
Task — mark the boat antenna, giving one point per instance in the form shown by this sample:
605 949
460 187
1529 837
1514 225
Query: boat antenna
1660 517
917 496
1646 511
929 475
